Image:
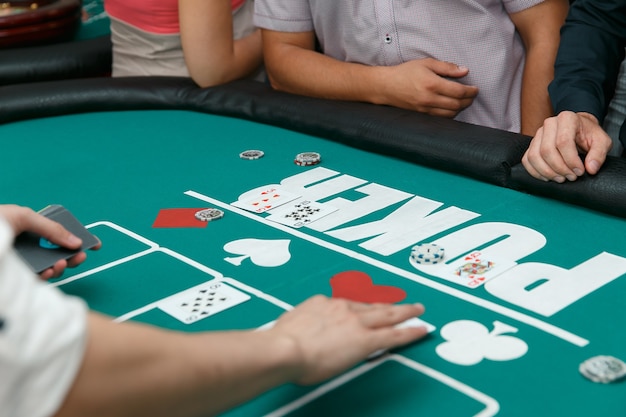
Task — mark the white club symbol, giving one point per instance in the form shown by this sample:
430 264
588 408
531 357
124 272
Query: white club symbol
469 342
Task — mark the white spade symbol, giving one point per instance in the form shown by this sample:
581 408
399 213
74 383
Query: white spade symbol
469 342
262 252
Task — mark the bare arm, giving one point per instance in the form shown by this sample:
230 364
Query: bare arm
132 369
539 28
294 66
211 54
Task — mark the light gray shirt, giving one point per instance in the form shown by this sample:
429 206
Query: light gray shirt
477 34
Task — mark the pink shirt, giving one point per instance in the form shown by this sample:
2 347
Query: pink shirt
154 16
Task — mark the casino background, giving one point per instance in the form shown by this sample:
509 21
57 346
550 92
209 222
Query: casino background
72 77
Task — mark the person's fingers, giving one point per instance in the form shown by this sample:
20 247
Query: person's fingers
389 337
76 260
532 159
447 69
553 152
595 158
596 142
25 219
55 271
381 315
568 165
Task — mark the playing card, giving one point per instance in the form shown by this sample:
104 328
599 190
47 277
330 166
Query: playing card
263 199
300 213
412 322
474 269
202 301
41 254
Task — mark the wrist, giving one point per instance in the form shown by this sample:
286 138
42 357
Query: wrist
287 357
589 117
376 84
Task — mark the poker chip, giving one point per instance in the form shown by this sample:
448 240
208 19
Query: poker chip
209 214
427 253
251 154
603 369
308 158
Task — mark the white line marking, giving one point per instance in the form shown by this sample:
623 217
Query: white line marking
491 405
515 315
269 298
124 231
103 267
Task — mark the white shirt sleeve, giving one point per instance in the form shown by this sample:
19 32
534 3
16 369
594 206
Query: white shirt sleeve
42 338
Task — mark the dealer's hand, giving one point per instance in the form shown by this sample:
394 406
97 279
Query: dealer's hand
333 334
24 219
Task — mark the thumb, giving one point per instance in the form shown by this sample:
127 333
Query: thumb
448 69
54 232
595 158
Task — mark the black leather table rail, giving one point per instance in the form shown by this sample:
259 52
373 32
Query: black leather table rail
485 154
77 59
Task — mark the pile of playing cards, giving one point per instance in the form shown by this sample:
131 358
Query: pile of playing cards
294 210
41 254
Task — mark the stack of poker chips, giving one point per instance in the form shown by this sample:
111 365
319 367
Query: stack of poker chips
307 158
603 369
209 214
427 253
251 154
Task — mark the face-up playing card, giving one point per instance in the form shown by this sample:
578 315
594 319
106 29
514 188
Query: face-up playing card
41 254
263 199
474 269
202 301
301 213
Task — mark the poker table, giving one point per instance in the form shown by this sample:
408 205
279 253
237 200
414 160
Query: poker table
135 159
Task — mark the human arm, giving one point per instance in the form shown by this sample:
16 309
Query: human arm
212 55
538 27
133 369
23 219
587 64
294 66
590 53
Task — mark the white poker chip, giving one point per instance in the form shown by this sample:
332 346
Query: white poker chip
251 154
603 369
308 158
209 214
427 253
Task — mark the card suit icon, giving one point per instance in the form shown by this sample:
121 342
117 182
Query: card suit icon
178 217
262 252
469 342
358 286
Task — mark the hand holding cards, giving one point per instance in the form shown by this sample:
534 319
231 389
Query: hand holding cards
41 254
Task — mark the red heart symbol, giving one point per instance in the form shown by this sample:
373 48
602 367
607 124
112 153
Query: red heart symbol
358 286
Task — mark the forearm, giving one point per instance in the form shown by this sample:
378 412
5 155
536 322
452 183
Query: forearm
132 369
238 59
302 71
211 54
535 101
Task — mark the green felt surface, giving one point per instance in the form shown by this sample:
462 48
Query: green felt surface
115 171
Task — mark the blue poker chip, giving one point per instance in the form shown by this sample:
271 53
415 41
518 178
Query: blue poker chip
427 253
